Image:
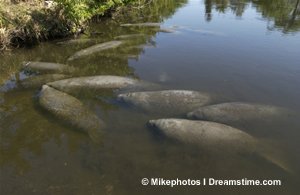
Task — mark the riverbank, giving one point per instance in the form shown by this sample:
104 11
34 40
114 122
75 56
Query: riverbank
27 22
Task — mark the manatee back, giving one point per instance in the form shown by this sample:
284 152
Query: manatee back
166 101
209 135
235 112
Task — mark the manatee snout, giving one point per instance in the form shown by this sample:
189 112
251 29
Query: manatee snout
160 124
151 123
44 87
190 115
195 115
123 97
24 64
154 126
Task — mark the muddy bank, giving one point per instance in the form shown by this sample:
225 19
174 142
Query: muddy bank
32 21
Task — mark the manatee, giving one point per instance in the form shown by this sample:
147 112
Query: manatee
207 32
132 56
217 137
130 36
148 45
76 41
48 67
203 31
95 49
39 80
72 111
144 46
148 24
204 133
171 101
166 30
236 112
96 83
120 56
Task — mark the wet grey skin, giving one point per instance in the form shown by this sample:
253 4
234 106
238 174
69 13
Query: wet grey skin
95 49
96 83
148 24
39 80
217 137
129 36
143 46
48 67
72 111
171 101
205 134
236 112
120 56
76 41
206 32
166 30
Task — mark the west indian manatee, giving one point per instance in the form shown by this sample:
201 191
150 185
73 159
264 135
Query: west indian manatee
147 24
166 30
236 112
170 101
95 49
76 41
216 137
149 45
119 55
72 111
200 31
129 36
97 83
207 32
39 80
48 67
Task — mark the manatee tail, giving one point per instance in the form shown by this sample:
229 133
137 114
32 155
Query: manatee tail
273 152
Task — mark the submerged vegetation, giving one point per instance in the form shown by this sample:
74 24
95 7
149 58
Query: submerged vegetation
31 21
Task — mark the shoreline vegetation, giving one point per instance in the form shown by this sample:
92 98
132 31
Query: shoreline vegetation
27 22
98 29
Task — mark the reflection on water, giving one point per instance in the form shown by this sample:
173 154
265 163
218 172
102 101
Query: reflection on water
220 46
283 14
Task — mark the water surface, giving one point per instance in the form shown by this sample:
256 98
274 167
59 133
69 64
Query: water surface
240 50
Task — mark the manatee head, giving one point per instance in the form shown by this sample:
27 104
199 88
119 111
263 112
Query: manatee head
177 129
153 123
162 127
44 87
164 124
197 114
123 97
131 97
25 63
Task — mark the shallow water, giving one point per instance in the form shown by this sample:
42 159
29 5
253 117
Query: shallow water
239 50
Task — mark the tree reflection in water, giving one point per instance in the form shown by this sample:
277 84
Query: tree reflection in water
284 14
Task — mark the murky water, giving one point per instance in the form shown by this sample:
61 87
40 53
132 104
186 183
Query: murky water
240 50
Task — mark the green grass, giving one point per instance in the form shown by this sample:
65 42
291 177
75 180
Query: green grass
24 22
